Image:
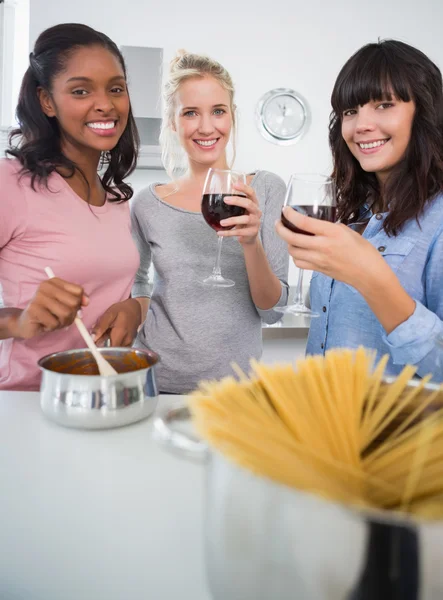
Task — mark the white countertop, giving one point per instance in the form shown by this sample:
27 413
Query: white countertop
289 321
99 515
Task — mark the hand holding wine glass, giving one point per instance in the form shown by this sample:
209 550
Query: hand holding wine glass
219 185
334 249
311 195
244 228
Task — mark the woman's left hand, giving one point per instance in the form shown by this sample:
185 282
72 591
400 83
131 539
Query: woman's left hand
247 226
333 249
119 323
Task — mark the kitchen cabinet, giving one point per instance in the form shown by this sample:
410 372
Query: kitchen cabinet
144 69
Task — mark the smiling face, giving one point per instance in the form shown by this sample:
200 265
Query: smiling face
90 101
378 133
203 120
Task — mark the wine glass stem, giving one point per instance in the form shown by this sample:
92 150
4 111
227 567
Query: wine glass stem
216 270
298 299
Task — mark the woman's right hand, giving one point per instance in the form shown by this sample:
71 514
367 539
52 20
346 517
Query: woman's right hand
54 306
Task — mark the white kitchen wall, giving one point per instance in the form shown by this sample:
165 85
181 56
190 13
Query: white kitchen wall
14 56
284 43
21 48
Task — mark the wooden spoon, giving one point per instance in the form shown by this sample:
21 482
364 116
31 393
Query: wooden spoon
104 368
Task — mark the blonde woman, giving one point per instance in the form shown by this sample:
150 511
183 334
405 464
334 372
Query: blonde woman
197 330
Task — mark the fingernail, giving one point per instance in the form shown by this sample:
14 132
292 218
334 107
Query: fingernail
94 337
80 313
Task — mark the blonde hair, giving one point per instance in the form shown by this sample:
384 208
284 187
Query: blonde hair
187 66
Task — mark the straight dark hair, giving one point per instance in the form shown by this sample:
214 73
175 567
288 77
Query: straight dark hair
39 148
372 74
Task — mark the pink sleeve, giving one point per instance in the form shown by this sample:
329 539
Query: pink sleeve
13 208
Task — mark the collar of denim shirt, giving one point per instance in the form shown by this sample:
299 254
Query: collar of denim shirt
366 224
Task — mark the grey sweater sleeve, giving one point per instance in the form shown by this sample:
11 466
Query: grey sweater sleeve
275 248
142 286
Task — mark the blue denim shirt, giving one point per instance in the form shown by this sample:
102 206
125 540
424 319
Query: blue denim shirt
416 257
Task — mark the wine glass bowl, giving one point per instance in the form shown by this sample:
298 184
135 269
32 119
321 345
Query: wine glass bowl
322 213
215 209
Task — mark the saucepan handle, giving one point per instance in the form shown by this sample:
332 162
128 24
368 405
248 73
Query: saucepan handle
169 435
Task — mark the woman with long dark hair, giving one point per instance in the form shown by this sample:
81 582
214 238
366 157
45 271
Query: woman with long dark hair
56 209
378 274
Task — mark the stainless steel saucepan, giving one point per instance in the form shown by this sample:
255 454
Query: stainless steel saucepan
73 394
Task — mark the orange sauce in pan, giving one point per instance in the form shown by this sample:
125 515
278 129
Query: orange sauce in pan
86 365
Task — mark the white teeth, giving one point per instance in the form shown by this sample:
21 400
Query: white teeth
206 143
101 125
373 144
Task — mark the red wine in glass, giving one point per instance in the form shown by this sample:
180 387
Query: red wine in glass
322 213
215 209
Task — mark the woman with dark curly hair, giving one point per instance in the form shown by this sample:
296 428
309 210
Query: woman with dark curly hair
56 209
378 274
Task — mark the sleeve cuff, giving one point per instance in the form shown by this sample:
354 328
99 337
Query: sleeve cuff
271 316
413 339
141 290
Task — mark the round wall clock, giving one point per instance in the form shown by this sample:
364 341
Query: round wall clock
283 116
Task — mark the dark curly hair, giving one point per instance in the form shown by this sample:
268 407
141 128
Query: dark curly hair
373 73
38 148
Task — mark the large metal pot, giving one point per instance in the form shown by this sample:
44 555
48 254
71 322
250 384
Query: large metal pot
74 395
265 541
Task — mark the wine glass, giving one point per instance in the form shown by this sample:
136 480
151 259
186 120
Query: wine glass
312 195
218 185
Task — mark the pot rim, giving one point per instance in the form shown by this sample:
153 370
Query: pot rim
109 350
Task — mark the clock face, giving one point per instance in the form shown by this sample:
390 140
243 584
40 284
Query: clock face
283 116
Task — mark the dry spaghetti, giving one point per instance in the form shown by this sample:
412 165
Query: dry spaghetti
332 425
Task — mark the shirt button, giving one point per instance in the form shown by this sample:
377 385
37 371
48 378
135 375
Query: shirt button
379 217
324 308
381 248
322 346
